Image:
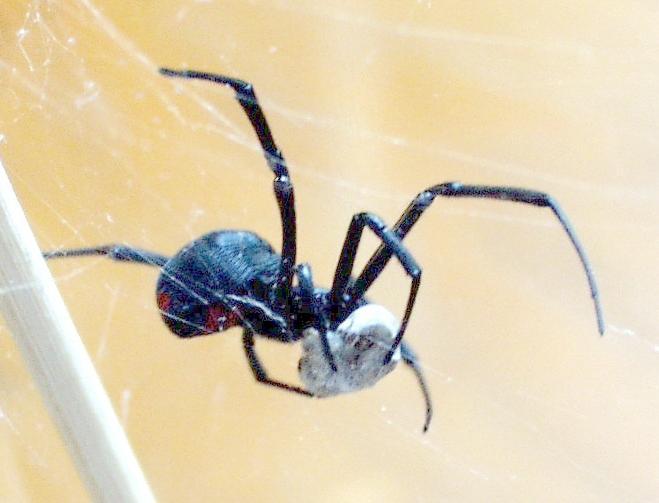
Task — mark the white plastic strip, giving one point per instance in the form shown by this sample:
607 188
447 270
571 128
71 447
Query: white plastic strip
38 319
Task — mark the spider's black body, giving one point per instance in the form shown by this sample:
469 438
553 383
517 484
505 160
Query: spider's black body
196 285
228 278
234 278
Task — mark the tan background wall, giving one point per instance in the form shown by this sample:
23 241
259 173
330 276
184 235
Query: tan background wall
371 103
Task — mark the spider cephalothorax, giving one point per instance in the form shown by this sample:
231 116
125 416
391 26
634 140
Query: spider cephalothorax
234 278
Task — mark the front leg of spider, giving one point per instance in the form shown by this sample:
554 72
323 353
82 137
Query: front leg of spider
424 200
342 295
411 360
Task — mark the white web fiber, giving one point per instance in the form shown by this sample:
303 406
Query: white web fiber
370 104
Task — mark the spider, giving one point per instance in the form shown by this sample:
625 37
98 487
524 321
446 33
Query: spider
231 278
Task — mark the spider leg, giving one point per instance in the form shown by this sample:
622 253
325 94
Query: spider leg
257 368
283 186
117 252
453 189
305 282
411 360
392 242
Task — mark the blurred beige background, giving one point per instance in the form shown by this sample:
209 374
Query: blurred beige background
371 102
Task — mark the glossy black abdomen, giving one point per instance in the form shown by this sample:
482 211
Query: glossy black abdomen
193 286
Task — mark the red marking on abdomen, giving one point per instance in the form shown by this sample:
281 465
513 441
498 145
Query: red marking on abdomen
219 318
164 301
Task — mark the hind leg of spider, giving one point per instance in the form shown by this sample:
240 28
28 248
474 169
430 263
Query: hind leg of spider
412 361
257 368
283 187
120 253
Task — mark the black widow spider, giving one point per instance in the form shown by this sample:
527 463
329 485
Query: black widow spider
234 278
